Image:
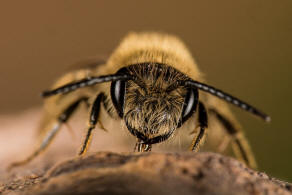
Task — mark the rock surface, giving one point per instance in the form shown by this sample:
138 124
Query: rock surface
148 173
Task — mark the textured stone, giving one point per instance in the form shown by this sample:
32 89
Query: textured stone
149 173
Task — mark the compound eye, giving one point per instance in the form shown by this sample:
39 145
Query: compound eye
190 104
118 95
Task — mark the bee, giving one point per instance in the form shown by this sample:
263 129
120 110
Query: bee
152 84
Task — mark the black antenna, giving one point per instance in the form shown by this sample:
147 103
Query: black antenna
84 83
228 98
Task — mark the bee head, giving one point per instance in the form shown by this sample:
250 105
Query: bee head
153 105
154 99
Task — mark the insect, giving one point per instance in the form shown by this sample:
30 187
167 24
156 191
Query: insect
152 84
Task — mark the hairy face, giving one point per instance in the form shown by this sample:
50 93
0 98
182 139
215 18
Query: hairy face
153 103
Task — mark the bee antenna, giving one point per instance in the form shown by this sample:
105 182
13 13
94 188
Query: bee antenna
227 97
84 83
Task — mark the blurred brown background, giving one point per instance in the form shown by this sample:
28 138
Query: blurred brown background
243 47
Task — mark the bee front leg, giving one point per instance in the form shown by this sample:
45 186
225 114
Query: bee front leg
203 123
94 118
63 118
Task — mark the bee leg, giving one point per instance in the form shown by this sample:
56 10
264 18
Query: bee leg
203 123
99 122
94 115
66 114
136 146
101 126
224 143
239 143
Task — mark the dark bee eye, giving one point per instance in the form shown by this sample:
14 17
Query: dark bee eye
190 104
117 94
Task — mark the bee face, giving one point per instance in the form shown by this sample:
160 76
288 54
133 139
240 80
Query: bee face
153 104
